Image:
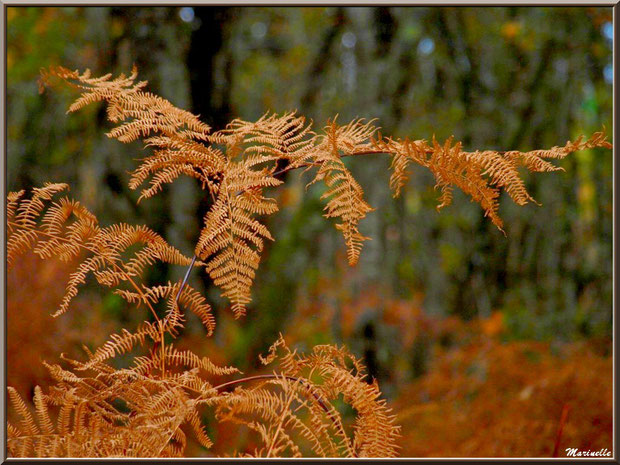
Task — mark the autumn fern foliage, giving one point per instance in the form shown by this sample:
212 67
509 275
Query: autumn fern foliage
95 409
67 230
146 409
237 164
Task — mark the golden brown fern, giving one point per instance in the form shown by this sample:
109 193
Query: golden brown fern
308 386
141 113
481 174
238 163
232 239
145 410
164 391
66 229
174 319
345 197
22 217
235 178
89 423
294 405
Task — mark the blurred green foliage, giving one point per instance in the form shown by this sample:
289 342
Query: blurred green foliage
497 78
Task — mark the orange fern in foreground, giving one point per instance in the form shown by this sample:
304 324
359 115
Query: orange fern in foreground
97 410
132 413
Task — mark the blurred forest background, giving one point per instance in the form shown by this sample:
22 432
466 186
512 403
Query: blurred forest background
486 345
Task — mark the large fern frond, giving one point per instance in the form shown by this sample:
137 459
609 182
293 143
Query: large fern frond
480 174
175 134
232 238
307 386
344 195
66 229
237 163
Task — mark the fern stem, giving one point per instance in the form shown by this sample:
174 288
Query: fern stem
305 165
185 278
253 378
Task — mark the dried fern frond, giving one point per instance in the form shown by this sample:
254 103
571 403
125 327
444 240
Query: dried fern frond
142 113
22 216
480 174
89 425
109 412
307 387
12 200
115 413
272 137
147 409
189 359
175 134
242 160
451 166
232 238
124 342
345 197
188 298
66 229
175 156
535 159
